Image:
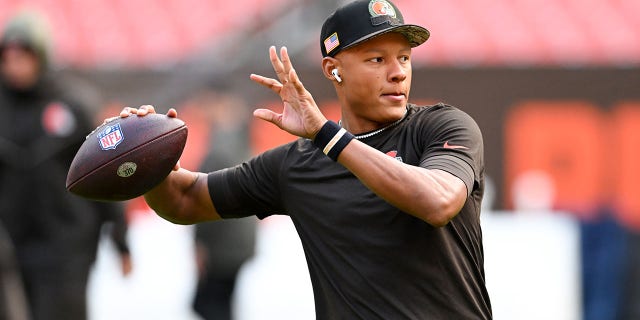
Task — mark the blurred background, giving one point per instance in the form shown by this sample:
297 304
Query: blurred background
554 85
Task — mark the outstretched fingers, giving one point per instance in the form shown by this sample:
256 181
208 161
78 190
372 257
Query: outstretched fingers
283 68
268 115
297 84
270 83
286 61
282 64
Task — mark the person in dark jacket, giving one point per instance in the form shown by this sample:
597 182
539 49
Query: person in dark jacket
55 234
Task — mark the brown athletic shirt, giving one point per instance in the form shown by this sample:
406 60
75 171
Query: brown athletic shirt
366 258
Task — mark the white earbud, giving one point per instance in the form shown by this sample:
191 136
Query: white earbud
335 74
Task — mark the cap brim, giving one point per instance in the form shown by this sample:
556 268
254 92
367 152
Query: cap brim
416 35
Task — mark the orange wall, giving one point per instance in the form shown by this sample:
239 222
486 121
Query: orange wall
591 154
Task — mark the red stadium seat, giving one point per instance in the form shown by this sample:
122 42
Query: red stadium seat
464 32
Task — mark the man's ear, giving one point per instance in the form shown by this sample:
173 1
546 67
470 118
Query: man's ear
328 64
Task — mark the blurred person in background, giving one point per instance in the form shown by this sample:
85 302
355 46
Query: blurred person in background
42 125
222 247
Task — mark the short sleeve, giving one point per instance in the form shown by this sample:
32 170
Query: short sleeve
453 143
251 188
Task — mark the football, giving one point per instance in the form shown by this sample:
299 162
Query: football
124 158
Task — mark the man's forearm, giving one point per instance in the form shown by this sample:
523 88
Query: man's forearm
182 198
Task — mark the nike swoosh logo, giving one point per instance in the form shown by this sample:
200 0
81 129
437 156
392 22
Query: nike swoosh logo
450 146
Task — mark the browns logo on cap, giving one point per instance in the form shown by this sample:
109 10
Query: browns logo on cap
381 8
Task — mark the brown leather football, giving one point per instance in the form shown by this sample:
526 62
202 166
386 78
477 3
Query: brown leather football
126 157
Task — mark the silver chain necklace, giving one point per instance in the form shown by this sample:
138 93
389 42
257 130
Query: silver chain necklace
373 133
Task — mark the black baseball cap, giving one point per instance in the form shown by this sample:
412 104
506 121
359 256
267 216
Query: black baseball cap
362 20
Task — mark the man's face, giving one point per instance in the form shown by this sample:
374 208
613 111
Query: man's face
377 77
20 67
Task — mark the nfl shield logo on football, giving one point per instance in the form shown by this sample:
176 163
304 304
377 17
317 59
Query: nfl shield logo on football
110 137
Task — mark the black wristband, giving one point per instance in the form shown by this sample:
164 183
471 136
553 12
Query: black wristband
332 139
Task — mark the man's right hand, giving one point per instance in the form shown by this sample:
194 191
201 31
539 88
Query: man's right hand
144 110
